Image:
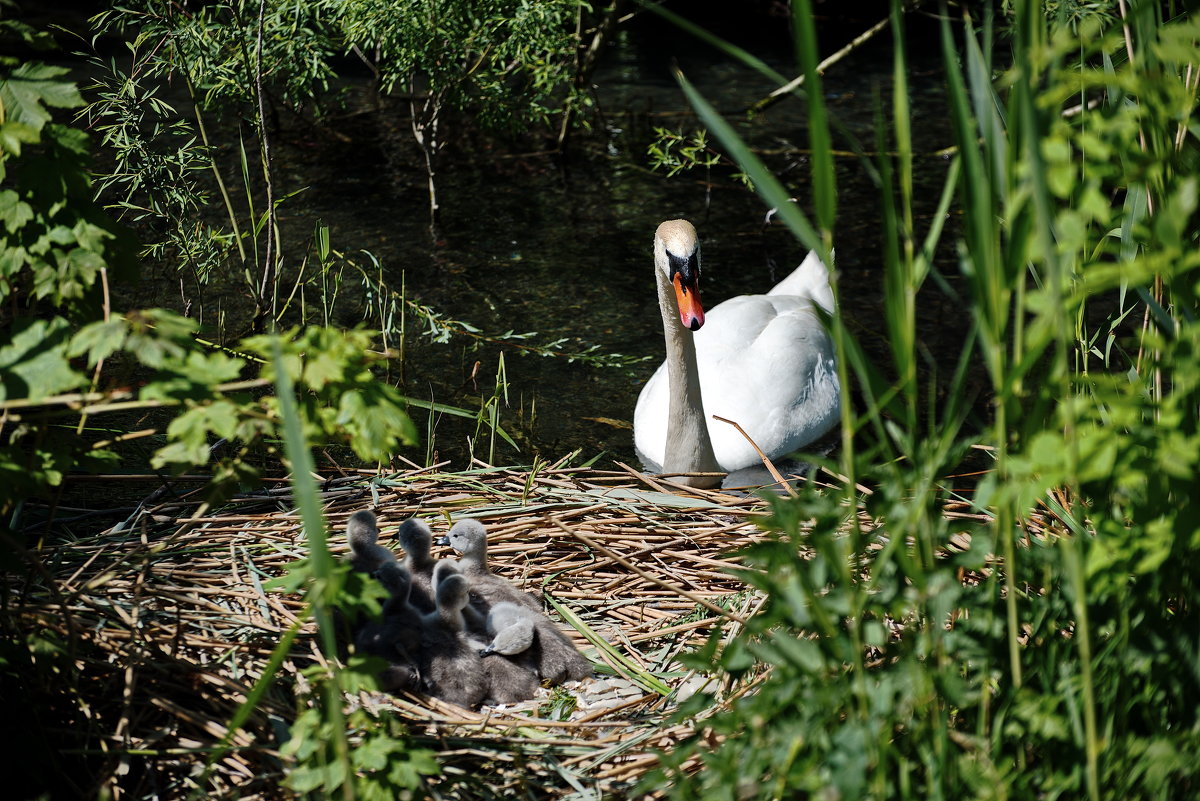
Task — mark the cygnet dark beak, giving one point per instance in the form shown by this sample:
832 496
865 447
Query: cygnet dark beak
443 540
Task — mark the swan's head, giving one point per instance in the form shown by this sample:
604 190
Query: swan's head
677 257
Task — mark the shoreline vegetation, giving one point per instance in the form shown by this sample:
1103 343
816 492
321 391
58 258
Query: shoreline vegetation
956 603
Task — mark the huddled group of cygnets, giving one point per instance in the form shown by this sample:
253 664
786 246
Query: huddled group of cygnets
452 628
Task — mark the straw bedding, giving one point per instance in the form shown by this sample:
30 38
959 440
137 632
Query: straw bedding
170 625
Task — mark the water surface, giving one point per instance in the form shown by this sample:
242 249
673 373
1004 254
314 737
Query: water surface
562 246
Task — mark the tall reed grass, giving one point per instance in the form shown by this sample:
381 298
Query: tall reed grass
1050 649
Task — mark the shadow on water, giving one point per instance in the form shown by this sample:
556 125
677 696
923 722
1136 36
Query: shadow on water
562 247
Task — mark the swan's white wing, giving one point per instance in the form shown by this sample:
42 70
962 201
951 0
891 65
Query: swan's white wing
766 362
809 280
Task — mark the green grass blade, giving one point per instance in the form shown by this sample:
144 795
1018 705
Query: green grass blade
764 181
323 586
458 412
625 667
824 185
731 50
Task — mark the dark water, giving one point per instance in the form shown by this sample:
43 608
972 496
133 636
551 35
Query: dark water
562 247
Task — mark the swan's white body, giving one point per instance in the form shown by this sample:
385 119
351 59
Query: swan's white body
764 361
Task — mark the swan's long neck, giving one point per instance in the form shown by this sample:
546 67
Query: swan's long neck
689 448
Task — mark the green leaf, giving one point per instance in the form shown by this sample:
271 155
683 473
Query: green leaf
98 340
407 770
189 440
305 779
373 753
296 575
193 378
375 418
31 87
158 337
33 360
323 367
14 212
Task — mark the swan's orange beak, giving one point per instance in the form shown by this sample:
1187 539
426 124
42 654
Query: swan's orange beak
687 296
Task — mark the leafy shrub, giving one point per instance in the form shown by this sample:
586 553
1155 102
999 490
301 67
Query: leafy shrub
512 63
59 252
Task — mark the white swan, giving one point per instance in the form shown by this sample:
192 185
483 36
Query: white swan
764 361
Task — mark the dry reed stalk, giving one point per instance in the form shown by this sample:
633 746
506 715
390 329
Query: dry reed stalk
171 626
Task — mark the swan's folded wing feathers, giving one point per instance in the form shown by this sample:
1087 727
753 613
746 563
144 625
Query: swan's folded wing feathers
809 280
745 379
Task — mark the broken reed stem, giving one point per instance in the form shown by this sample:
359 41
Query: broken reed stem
795 83
765 460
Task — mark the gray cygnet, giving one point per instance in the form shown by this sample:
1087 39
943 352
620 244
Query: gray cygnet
557 658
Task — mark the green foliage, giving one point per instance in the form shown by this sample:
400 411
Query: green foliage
1076 12
214 47
676 152
155 180
863 682
1053 654
559 706
509 60
56 240
57 245
382 765
340 400
61 335
33 361
341 392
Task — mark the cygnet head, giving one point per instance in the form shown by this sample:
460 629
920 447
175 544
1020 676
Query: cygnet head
362 530
444 569
416 539
468 538
453 593
677 258
395 579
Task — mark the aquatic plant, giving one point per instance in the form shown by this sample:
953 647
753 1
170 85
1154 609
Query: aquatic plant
66 357
226 238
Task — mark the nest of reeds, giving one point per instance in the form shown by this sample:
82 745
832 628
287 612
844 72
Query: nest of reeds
168 626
